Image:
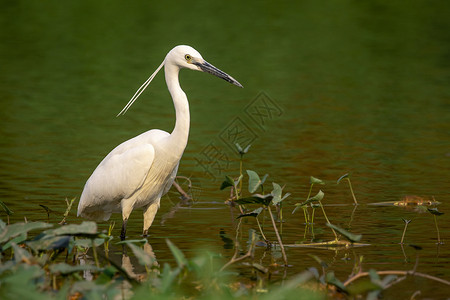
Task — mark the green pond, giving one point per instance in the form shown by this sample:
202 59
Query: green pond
336 87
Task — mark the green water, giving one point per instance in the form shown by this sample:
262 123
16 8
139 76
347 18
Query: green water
358 87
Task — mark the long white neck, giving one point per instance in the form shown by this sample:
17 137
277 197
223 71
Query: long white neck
179 136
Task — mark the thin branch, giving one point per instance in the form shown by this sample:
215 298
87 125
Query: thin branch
404 273
278 237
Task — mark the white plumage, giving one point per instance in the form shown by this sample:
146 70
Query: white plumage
138 172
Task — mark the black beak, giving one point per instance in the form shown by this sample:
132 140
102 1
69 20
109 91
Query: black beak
208 68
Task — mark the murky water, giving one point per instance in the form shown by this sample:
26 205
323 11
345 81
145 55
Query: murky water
329 89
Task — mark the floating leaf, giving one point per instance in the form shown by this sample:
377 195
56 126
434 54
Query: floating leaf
435 211
256 199
254 213
342 177
348 235
254 182
314 180
20 228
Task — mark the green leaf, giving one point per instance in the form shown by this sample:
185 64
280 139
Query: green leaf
87 243
19 228
239 148
20 254
342 177
435 211
349 236
179 256
6 208
318 197
314 180
63 268
374 277
256 199
2 225
46 242
228 182
319 260
85 228
254 213
254 182
167 278
17 240
331 279
247 148
277 194
143 257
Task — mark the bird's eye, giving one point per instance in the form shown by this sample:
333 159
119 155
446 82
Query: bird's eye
187 57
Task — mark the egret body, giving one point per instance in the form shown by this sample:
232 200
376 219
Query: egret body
138 172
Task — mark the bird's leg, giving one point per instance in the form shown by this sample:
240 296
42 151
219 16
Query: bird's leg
124 229
149 215
127 207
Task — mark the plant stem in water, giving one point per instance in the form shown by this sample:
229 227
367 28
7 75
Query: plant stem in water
328 221
437 228
305 212
404 231
260 230
351 190
278 236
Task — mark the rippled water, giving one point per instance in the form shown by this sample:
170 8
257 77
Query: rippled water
359 88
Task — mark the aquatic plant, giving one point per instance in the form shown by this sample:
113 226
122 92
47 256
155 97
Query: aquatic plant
404 229
347 176
435 212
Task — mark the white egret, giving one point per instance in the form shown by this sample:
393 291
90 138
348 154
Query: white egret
138 172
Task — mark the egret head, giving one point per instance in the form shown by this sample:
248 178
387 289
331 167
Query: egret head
189 58
183 57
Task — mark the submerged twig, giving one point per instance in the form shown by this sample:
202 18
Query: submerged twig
236 259
405 273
